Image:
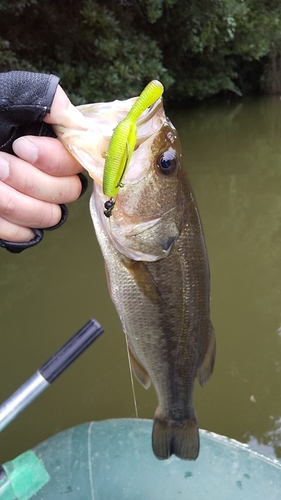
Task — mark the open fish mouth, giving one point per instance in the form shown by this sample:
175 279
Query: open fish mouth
89 146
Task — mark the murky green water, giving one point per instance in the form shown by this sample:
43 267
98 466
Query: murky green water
233 155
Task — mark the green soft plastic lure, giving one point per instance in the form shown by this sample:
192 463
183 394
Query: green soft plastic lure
123 141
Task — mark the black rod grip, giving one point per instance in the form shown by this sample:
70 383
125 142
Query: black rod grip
71 350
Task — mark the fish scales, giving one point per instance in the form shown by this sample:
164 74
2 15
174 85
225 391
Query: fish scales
158 277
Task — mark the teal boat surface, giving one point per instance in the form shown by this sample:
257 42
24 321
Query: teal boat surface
113 460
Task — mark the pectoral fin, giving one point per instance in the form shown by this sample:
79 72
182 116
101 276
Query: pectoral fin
207 366
143 279
139 371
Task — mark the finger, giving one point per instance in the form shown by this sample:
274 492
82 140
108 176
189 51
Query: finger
14 232
17 208
47 154
30 181
64 113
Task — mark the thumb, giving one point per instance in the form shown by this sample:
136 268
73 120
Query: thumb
64 113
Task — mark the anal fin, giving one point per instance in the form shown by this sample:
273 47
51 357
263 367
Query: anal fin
138 370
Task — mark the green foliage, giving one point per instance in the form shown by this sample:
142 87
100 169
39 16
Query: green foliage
93 46
155 9
220 43
105 50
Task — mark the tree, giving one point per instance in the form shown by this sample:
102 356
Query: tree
104 50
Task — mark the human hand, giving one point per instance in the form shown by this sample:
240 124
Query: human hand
39 178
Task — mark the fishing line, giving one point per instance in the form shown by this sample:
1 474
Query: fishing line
137 417
132 379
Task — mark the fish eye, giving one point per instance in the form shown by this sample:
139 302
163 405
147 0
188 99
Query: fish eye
167 162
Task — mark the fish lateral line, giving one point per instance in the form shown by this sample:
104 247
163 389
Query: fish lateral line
123 142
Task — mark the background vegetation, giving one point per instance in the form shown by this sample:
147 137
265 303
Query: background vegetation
106 49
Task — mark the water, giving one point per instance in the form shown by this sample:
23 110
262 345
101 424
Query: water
233 155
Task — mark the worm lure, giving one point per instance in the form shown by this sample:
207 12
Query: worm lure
123 141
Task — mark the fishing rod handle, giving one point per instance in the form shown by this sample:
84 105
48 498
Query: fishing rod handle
48 372
21 399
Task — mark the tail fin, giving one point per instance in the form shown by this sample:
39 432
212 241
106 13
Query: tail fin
172 437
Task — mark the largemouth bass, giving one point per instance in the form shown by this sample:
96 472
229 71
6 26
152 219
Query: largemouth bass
156 265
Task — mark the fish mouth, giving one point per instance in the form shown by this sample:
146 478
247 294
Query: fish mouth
89 146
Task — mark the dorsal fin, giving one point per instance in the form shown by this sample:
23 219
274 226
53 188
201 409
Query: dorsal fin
207 366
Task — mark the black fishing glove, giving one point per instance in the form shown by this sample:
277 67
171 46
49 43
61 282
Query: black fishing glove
25 99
